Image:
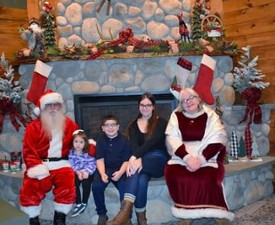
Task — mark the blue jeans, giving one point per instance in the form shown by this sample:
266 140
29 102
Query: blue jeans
99 187
153 164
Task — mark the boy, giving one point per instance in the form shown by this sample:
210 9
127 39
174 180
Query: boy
112 155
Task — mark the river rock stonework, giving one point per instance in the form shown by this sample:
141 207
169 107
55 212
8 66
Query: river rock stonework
136 75
78 21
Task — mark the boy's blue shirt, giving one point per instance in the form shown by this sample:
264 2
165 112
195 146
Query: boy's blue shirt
115 151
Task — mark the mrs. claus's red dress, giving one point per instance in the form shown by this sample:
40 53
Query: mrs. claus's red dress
197 194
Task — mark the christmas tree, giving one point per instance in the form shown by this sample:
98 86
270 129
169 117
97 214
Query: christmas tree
48 24
234 146
255 148
200 9
248 82
248 141
242 151
248 75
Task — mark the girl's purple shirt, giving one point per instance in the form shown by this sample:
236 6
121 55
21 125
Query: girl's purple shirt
82 162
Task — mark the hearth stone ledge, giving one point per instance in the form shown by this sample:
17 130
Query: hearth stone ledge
244 183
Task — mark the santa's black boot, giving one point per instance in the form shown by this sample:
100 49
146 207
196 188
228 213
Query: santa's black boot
59 218
34 221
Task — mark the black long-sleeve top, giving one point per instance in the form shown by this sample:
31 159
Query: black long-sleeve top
140 145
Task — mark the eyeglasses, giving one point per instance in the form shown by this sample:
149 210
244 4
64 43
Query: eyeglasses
145 106
52 106
184 101
110 125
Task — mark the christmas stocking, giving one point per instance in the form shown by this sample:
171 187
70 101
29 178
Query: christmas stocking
205 78
39 81
182 76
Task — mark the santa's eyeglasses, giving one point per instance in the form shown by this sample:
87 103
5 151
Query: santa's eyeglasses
53 105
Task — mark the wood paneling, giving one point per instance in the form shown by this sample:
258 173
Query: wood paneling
34 9
10 20
233 5
252 22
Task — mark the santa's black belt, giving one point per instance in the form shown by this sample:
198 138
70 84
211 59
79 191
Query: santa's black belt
54 159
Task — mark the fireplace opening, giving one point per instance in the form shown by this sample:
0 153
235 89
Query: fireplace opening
90 109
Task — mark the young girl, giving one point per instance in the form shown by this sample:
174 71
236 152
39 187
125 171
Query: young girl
84 166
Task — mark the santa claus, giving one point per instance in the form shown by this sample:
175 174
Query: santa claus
46 145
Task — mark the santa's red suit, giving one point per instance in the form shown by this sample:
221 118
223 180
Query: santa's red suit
47 168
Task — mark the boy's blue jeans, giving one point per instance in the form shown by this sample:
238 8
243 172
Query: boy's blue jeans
99 187
153 164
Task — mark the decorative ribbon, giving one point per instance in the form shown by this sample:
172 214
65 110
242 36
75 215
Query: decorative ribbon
126 36
7 107
253 110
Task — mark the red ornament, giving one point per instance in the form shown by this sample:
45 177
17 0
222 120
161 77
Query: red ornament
47 6
199 4
208 7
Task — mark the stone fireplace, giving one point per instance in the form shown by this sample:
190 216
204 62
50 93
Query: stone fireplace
129 77
105 84
94 88
90 109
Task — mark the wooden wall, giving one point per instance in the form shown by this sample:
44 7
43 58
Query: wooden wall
247 22
34 10
252 22
10 20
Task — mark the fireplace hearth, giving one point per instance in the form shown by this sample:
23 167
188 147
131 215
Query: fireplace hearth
90 109
97 82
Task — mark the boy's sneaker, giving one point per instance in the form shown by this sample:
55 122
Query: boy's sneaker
78 209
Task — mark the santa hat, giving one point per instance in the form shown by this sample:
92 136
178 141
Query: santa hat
39 81
47 98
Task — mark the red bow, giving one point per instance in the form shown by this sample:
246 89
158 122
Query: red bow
253 110
8 108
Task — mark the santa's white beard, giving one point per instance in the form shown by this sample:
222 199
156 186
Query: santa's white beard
53 122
